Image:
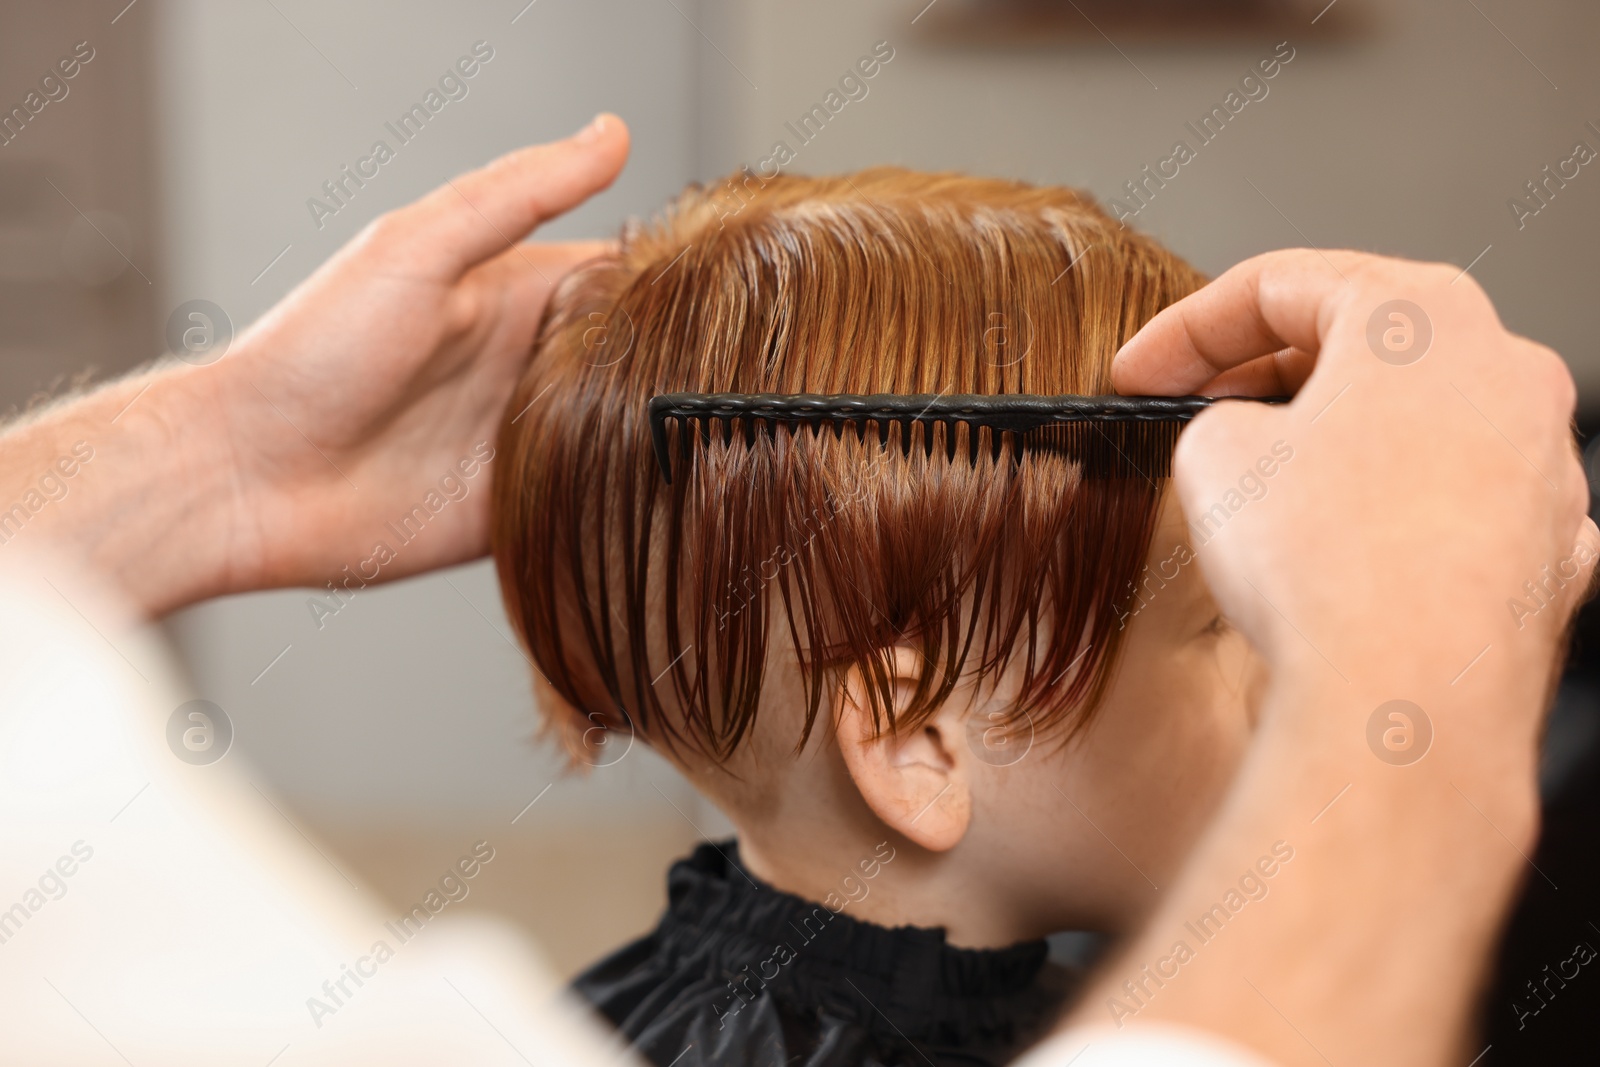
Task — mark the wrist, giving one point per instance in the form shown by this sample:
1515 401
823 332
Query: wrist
147 505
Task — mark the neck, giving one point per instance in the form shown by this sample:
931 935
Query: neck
805 830
851 863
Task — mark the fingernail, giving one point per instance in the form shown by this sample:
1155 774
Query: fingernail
597 127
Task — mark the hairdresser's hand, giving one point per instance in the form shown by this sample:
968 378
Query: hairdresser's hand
1433 470
1374 539
340 410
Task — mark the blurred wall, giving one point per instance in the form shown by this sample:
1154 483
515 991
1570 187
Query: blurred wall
79 237
1404 132
399 732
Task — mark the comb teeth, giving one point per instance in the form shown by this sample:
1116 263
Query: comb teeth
1011 417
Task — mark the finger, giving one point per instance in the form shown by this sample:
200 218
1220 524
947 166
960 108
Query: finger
485 212
1269 302
1280 374
1213 448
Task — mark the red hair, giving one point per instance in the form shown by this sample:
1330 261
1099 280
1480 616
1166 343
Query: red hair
657 605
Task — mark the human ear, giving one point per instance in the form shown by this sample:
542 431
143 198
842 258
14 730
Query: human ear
917 782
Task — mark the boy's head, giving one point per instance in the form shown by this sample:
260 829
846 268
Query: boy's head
838 639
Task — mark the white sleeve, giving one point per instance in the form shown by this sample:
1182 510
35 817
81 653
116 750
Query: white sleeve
153 910
1146 1046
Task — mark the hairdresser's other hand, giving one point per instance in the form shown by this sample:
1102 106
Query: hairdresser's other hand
367 386
345 407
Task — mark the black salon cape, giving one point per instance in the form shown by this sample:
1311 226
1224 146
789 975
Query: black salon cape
818 989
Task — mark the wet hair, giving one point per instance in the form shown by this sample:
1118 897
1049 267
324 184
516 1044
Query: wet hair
657 607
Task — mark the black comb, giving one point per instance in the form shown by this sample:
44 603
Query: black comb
1015 413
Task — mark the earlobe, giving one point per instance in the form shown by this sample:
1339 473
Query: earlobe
916 781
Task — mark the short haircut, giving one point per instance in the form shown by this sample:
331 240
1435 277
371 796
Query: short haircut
654 606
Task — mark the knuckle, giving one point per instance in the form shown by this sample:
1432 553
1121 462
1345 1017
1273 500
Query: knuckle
1448 275
384 232
1433 285
1545 367
1566 390
1466 289
1576 496
1312 259
1385 271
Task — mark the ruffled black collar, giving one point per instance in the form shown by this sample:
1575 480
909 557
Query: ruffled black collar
733 955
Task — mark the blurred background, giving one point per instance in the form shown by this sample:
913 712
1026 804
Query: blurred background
180 161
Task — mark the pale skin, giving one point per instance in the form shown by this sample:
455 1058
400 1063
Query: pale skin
1359 579
1001 837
